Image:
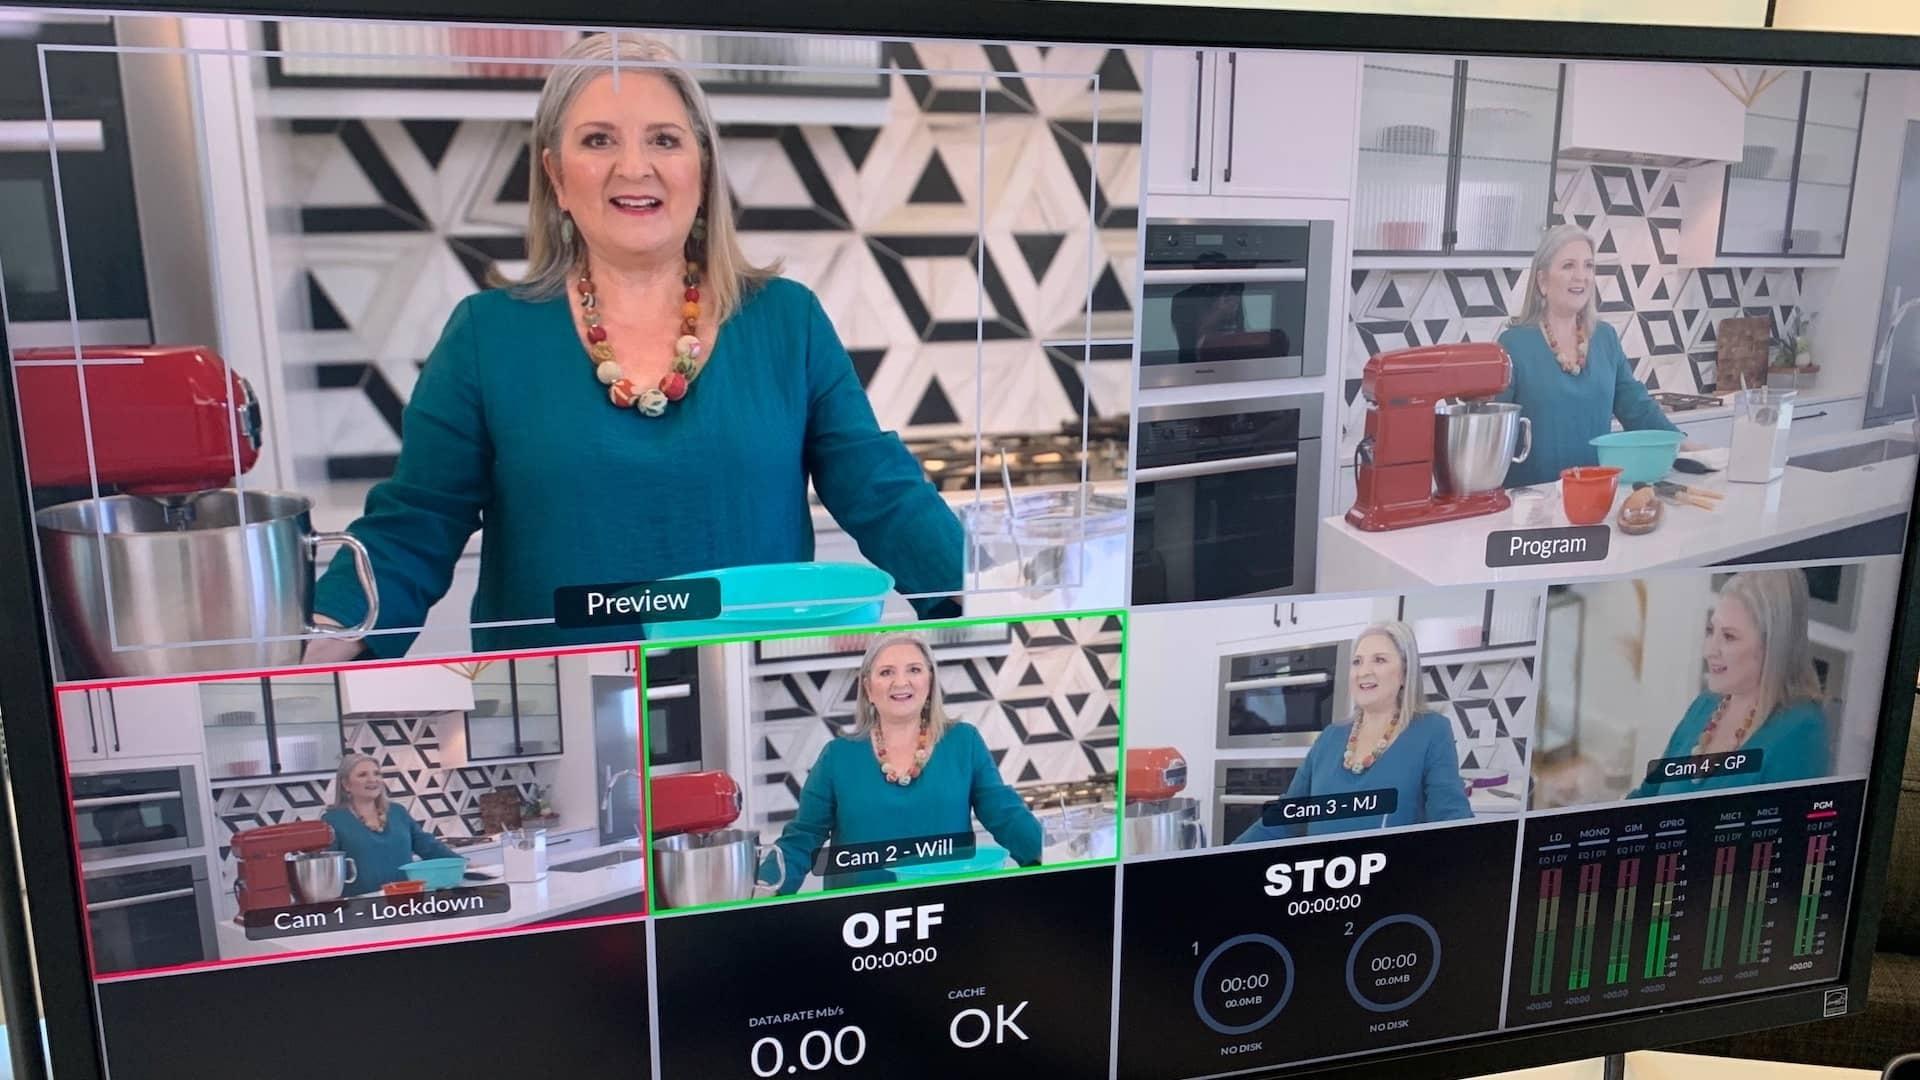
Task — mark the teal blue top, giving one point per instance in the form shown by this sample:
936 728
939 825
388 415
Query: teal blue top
1568 410
1420 766
1792 745
378 856
509 432
847 800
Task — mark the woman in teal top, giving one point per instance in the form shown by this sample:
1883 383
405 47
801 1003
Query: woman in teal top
1374 749
1570 376
906 773
643 403
378 836
1762 692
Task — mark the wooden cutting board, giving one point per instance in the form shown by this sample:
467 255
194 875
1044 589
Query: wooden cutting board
1743 345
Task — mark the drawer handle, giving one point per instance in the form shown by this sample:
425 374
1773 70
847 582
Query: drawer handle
1811 415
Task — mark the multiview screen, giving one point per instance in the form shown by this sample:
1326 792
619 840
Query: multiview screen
682 553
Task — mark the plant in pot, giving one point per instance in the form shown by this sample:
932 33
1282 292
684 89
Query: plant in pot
1793 351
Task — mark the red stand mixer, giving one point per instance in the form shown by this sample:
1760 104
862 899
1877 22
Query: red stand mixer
264 881
180 571
1435 449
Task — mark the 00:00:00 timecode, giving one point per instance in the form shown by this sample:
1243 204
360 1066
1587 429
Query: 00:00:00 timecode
897 958
1321 904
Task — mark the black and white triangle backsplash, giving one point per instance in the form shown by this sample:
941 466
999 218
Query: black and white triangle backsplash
445 800
399 220
1048 709
1491 705
1665 314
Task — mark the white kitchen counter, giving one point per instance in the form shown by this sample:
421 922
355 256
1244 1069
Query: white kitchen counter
1752 517
560 893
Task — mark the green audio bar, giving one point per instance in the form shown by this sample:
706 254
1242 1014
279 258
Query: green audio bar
1661 931
1757 890
1719 907
1812 879
1544 914
1553 936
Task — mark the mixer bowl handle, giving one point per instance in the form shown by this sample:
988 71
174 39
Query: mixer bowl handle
779 865
1526 440
362 569
353 871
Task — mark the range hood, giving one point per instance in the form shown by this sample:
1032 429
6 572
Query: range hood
410 690
1650 115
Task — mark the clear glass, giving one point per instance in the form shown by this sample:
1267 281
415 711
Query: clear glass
490 724
539 704
1827 151
233 714
1506 155
306 722
1406 137
1754 220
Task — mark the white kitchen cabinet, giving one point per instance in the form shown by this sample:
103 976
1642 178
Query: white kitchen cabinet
416 688
132 722
623 663
155 721
1252 123
1717 431
1815 421
1323 614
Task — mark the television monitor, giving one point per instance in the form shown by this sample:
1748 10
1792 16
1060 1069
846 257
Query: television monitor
1096 540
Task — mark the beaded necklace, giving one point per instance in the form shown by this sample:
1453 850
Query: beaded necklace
1357 764
894 773
1581 335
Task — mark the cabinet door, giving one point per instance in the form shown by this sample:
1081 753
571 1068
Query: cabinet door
1505 189
537 705
233 713
1283 124
1179 103
1754 214
80 728
1406 146
1829 146
150 721
306 722
1715 432
1814 422
490 723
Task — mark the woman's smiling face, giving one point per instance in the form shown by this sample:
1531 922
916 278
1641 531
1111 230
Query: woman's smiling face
363 781
1735 650
900 681
629 167
1568 279
1376 675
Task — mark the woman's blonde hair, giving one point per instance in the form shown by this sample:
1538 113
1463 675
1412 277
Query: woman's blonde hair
552 252
866 716
1533 307
1777 602
1411 701
343 801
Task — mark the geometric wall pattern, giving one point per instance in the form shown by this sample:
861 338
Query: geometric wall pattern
446 801
399 220
1047 708
1665 314
1491 705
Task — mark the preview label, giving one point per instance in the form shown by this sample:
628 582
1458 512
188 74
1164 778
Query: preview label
625 603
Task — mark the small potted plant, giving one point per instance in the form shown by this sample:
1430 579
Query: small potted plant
1792 364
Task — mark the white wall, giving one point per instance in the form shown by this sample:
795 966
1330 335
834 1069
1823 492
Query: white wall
1850 317
576 787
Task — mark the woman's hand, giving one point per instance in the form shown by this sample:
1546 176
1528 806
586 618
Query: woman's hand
1688 446
330 650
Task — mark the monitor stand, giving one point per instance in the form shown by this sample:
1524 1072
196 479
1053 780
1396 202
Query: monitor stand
1613 1067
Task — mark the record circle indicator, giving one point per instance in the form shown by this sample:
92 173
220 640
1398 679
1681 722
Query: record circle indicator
1402 957
1262 950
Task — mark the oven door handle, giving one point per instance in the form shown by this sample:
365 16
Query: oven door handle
1216 468
126 800
67 136
669 693
1248 800
1224 276
1273 681
149 898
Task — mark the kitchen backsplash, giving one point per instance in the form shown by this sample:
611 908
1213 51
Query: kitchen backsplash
1491 704
446 801
1048 709
1665 314
401 219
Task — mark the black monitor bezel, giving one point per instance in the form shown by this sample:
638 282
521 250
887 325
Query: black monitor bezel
48 858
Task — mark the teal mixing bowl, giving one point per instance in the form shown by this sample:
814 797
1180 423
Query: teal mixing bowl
985 857
797 596
437 873
1643 456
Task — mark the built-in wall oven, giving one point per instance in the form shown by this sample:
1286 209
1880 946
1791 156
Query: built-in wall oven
101 242
151 914
136 812
1242 787
1225 498
678 739
1226 301
1282 697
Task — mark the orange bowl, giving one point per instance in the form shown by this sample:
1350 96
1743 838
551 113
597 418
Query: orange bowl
403 888
1586 492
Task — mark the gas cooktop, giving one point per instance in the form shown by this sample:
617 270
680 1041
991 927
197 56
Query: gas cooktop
1032 459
